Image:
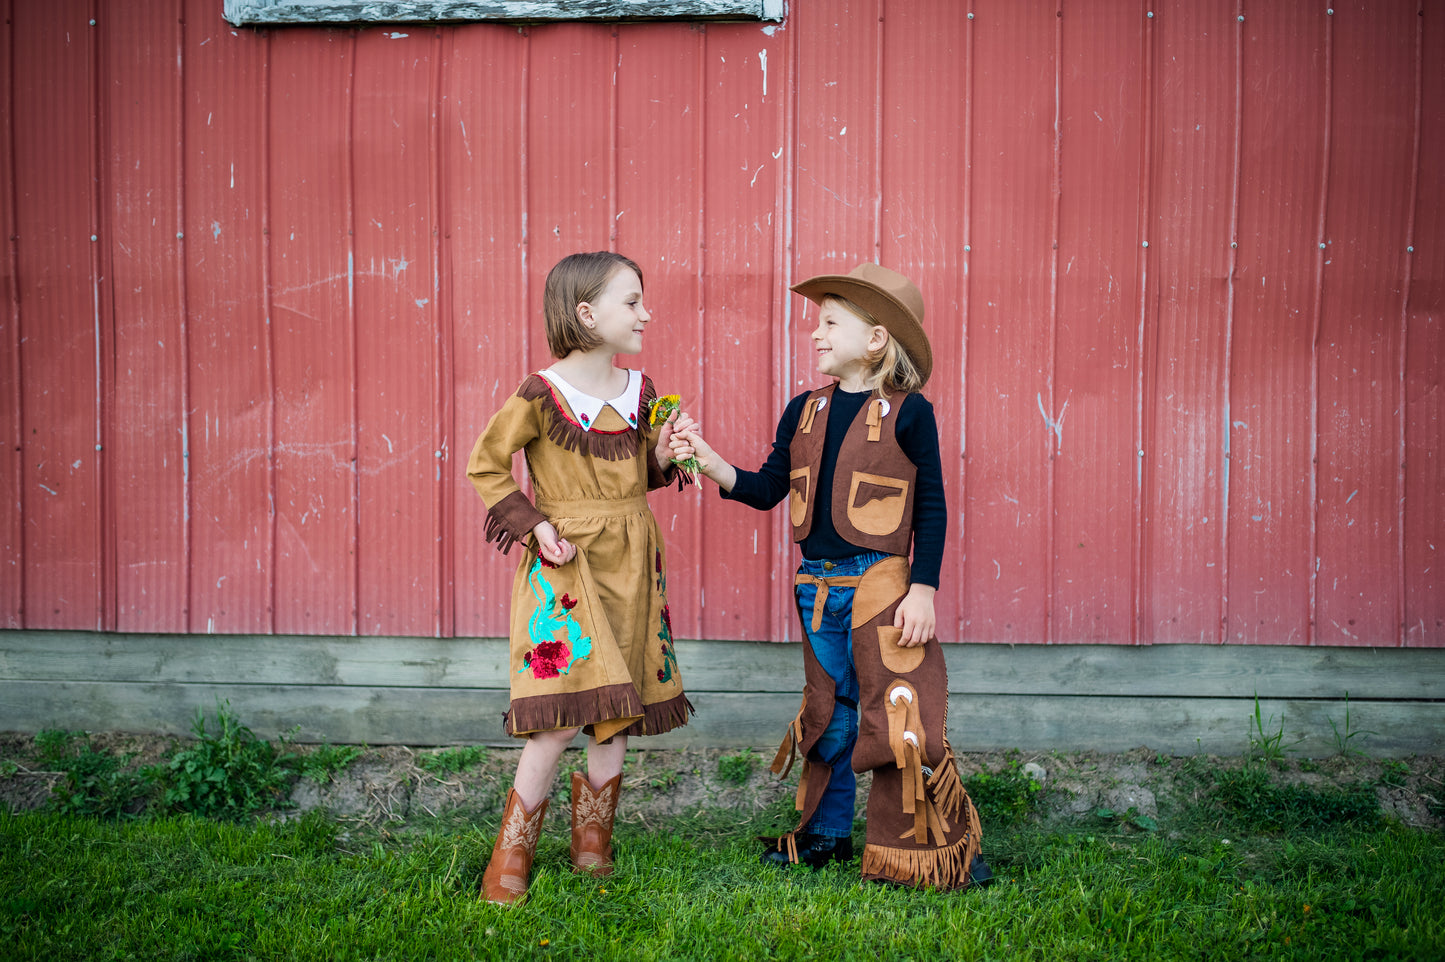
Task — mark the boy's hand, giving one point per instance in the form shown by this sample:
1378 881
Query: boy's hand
916 617
557 550
686 438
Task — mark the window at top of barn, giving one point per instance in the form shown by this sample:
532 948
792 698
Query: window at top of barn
275 12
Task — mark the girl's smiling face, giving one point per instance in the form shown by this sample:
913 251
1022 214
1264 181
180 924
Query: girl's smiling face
843 342
616 315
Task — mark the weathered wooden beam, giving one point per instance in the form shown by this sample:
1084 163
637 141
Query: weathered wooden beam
729 719
1172 698
281 12
1214 671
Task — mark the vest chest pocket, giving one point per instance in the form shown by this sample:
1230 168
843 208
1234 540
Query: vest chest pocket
798 482
875 503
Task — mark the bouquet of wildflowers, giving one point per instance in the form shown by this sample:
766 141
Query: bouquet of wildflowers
661 409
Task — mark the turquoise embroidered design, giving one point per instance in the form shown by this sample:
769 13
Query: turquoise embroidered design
551 655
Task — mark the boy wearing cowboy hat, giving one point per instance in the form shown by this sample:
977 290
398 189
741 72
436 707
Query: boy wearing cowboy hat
858 461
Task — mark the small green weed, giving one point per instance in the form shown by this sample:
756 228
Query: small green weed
737 769
1131 817
1267 746
96 782
229 774
450 760
1007 796
324 762
1343 738
1393 772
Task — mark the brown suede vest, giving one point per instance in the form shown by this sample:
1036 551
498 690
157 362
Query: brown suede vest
873 480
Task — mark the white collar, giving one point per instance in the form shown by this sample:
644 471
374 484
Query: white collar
586 407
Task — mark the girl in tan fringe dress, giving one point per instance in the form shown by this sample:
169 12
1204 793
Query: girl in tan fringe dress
591 638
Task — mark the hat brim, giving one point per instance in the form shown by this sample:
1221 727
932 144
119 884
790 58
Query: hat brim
888 310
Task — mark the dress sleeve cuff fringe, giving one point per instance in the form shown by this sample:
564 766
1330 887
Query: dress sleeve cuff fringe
510 520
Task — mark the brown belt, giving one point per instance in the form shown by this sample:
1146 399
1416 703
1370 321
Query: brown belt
823 583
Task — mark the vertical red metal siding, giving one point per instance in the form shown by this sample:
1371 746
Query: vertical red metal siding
1167 412
227 283
1424 374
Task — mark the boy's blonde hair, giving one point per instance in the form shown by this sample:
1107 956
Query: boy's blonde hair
576 279
890 369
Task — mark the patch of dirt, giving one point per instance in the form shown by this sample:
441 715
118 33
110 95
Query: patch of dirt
394 784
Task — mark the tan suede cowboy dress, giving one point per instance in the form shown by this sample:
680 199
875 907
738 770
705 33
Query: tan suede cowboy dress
591 640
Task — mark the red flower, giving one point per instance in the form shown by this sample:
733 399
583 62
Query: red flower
659 674
568 603
549 658
657 561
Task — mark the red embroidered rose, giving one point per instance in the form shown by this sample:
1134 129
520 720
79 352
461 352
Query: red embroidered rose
659 675
549 658
568 602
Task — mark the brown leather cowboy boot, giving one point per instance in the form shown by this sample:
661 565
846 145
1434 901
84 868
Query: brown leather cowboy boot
593 811
505 880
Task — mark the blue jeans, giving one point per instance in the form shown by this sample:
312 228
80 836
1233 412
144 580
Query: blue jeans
832 646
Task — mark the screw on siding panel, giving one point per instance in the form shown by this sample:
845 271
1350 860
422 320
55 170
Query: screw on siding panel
438 454
1330 12
1241 18
1234 243
970 16
1151 14
1410 249
97 447
967 248
1322 245
93 238
180 236
1146 243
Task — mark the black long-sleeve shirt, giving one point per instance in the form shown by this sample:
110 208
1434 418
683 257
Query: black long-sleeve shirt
917 434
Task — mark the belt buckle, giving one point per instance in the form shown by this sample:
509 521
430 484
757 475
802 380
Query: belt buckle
828 566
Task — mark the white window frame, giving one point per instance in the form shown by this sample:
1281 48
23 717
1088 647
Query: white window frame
255 13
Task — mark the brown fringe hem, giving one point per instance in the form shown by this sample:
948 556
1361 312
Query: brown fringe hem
940 868
662 717
545 713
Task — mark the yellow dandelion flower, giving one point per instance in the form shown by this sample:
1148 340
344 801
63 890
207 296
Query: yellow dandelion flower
662 407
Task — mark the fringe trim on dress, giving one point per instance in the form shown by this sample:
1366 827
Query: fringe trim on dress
544 713
510 520
571 436
662 717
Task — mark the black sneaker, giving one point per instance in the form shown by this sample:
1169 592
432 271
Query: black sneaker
814 851
979 873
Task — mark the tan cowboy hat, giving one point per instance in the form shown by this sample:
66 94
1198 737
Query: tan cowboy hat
892 299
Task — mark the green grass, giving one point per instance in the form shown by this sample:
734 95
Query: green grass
182 887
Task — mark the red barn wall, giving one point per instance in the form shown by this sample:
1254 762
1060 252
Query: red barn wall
1182 259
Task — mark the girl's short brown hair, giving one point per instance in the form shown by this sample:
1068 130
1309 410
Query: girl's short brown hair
576 279
891 369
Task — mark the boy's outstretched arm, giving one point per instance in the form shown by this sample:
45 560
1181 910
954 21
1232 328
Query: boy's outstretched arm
687 443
